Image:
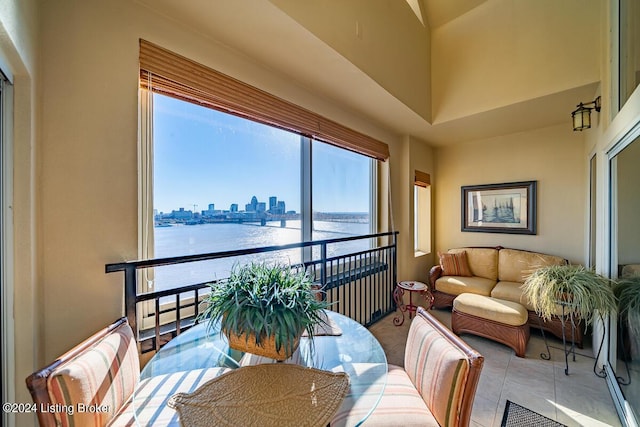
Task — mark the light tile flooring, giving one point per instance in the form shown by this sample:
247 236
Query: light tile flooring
578 399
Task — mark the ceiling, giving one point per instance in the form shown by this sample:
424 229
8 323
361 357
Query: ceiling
439 12
293 51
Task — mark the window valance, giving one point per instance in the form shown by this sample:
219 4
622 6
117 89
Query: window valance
422 179
170 74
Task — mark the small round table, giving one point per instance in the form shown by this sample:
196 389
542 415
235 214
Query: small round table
411 287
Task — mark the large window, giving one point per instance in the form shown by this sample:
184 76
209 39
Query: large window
342 196
226 166
221 182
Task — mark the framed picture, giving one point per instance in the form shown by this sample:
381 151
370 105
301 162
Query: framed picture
500 208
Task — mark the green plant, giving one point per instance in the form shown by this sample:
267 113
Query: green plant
583 292
266 301
628 292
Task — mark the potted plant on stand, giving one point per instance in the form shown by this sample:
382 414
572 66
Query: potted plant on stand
264 309
573 293
584 293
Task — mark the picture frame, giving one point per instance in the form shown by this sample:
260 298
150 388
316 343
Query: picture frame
500 208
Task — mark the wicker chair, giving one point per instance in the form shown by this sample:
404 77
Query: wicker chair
437 385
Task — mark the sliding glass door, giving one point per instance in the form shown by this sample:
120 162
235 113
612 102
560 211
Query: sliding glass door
624 353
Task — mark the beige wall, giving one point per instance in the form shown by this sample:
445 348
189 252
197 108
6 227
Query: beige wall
406 156
396 56
552 156
421 157
493 56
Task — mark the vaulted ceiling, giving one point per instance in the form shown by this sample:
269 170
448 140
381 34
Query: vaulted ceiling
271 33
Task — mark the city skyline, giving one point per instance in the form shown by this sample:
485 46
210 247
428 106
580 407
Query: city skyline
199 152
218 208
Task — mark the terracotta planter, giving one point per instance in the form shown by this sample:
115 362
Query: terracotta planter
266 348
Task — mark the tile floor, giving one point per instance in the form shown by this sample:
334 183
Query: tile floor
579 399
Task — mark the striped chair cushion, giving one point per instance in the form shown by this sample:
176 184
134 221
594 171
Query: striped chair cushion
437 369
367 383
400 405
101 378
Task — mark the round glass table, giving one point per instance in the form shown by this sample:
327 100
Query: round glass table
202 353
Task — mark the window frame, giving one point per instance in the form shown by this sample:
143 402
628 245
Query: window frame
422 202
146 277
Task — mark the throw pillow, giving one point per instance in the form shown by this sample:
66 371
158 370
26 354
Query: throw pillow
454 264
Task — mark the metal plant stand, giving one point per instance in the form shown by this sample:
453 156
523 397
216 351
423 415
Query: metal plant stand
569 348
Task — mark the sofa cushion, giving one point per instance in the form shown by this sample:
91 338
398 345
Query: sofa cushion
456 285
454 264
512 291
483 262
630 270
498 310
515 265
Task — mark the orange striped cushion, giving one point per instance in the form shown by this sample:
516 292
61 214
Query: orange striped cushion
455 264
437 369
102 378
367 383
400 405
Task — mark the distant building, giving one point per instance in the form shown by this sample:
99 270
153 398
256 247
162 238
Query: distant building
181 214
210 212
261 207
234 207
253 206
276 207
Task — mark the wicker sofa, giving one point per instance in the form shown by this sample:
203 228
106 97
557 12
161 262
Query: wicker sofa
495 272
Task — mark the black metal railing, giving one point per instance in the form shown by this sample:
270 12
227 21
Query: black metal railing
358 284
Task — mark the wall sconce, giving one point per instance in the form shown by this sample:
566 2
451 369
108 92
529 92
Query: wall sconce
582 116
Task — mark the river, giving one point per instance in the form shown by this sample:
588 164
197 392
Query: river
204 238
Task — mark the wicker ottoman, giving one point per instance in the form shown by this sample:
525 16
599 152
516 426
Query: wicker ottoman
496 319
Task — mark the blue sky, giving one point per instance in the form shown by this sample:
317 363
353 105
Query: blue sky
202 156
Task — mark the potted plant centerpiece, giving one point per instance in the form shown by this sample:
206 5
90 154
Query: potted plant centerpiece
584 293
264 309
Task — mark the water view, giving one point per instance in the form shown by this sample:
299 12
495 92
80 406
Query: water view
181 239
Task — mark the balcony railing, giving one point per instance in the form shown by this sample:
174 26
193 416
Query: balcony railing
358 284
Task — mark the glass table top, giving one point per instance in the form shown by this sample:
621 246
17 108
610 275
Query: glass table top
195 352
